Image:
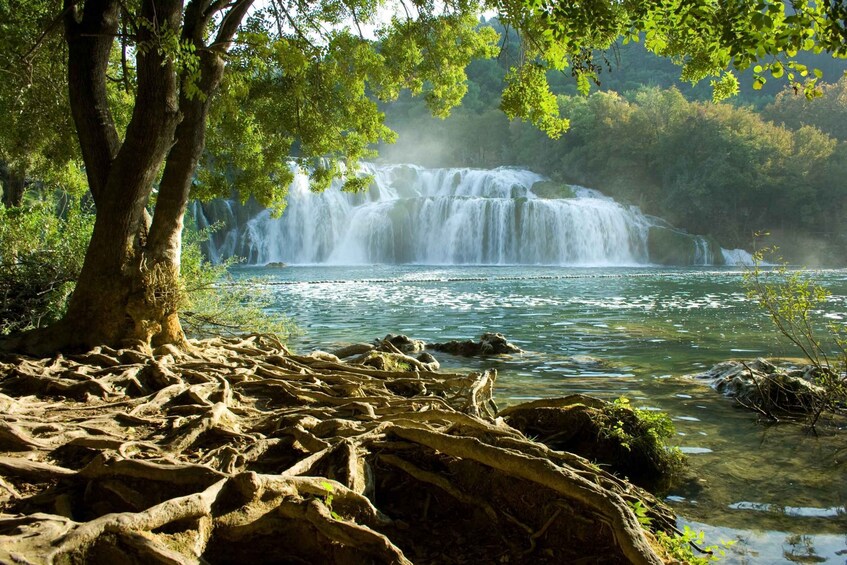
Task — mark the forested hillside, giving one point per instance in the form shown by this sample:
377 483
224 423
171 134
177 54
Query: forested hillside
769 160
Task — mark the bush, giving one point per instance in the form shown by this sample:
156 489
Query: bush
41 255
793 301
214 304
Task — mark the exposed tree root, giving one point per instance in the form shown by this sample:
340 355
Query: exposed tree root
238 451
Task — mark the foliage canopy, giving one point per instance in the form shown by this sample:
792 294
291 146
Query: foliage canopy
302 77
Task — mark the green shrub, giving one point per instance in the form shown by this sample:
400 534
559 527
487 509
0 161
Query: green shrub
214 303
41 255
793 300
644 432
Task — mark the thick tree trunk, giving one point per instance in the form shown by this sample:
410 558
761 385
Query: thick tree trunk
165 241
14 184
117 295
128 290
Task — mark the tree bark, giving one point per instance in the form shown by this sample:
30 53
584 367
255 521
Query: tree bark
116 295
89 33
165 241
14 185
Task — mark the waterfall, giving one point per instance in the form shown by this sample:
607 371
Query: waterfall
702 251
416 215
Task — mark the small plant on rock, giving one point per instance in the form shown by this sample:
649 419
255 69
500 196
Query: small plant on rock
793 302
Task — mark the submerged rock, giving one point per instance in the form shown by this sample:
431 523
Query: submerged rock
488 344
403 343
765 387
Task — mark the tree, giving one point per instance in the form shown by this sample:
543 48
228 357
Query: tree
37 136
271 78
128 287
827 113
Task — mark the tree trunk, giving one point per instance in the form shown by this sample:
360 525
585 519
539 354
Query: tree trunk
14 183
164 245
129 290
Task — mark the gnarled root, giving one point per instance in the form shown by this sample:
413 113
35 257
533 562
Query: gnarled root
238 451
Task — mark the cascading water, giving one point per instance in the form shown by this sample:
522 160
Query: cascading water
442 216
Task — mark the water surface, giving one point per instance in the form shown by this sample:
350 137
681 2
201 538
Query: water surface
776 489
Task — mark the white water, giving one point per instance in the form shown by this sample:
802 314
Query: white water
413 215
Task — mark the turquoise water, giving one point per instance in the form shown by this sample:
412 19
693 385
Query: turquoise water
777 490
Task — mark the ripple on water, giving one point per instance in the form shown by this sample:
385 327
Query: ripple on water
634 321
797 511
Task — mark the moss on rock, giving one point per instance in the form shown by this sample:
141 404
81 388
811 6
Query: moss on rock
549 189
616 436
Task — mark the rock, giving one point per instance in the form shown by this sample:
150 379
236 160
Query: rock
429 362
324 356
615 436
549 189
763 386
489 344
276 265
586 362
402 343
386 361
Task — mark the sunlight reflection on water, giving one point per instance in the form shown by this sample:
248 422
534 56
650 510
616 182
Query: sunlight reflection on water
613 332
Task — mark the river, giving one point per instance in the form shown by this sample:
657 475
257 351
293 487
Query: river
777 490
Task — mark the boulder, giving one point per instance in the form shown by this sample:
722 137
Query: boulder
402 343
763 386
429 362
621 439
488 344
385 361
397 362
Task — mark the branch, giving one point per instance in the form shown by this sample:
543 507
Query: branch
70 5
294 25
124 66
231 22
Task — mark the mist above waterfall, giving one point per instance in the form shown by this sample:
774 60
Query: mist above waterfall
415 215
